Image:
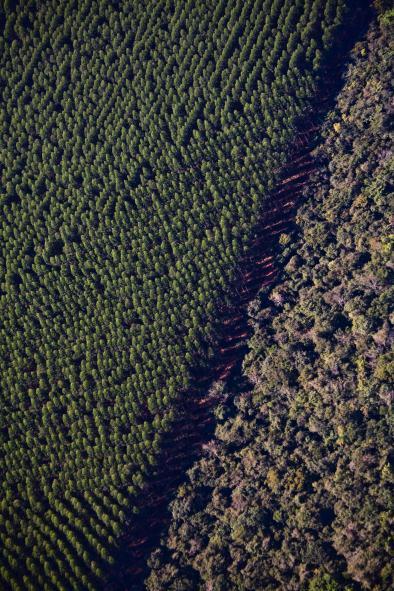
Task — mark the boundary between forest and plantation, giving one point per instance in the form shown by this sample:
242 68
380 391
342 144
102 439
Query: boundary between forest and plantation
194 424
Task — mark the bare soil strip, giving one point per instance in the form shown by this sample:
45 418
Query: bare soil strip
194 425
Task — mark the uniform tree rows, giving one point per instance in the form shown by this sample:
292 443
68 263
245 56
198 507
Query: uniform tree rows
138 140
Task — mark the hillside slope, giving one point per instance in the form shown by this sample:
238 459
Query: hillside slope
294 489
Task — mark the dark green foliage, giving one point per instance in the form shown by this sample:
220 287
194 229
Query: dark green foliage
138 140
294 491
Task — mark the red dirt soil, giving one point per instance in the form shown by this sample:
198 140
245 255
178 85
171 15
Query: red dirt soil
194 425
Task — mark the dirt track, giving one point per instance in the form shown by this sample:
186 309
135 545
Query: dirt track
195 422
194 425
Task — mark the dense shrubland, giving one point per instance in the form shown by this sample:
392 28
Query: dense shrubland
138 141
294 491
